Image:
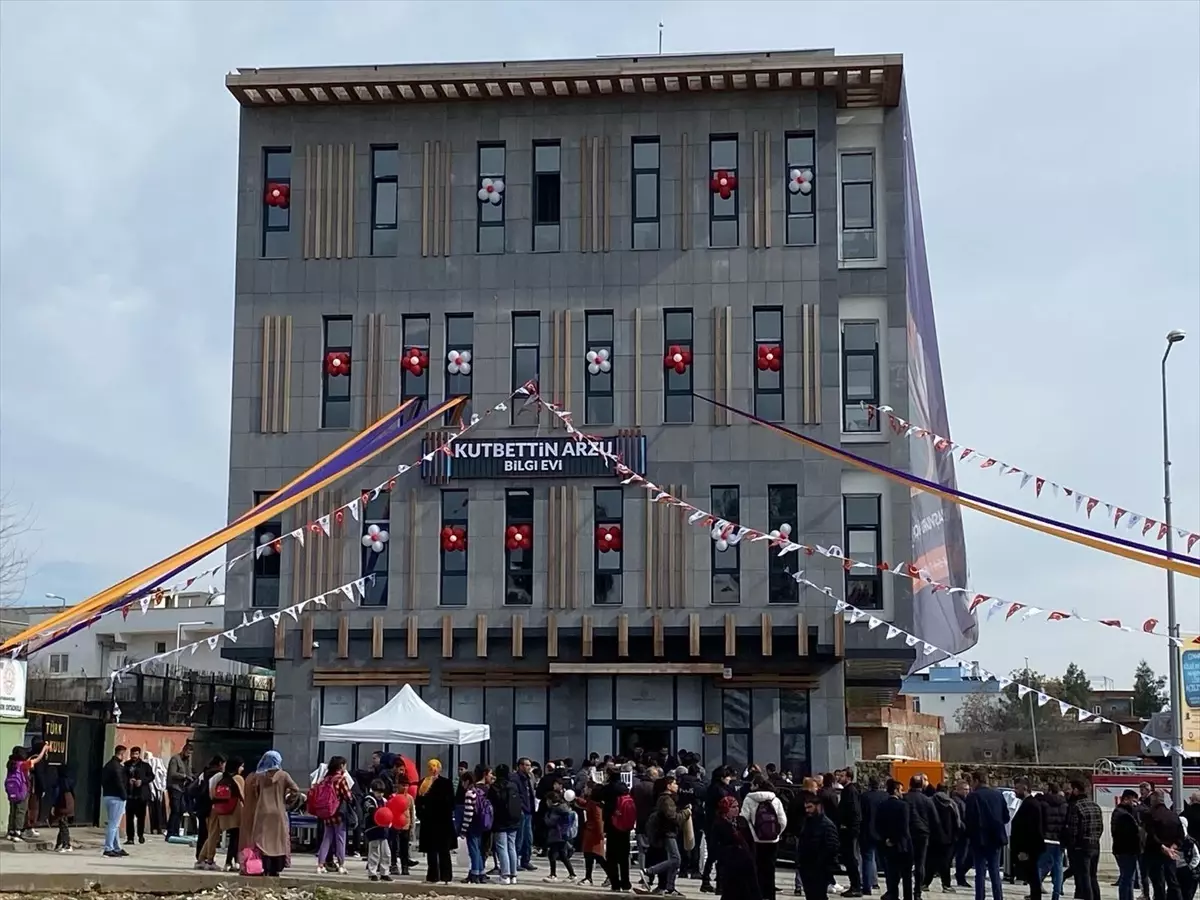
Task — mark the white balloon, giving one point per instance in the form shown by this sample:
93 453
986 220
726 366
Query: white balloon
807 176
785 529
452 368
464 368
487 183
592 356
498 185
593 368
794 186
722 545
372 530
805 187
795 174
383 536
569 796
464 356
452 356
603 353
366 540
494 198
605 366
483 195
377 546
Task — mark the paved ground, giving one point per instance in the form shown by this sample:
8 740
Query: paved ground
161 868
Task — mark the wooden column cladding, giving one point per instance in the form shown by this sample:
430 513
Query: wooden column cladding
659 639
343 636
435 198
329 201
552 635
595 195
374 399
376 637
693 634
760 206
562 560
667 536
410 600
722 363
447 636
801 635
623 635
306 636
810 364
685 194
481 636
586 640
275 414
317 564
730 634
839 635
280 648
518 636
562 363
765 629
412 638
637 368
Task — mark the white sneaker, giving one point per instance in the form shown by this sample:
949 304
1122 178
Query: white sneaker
33 832
320 869
551 879
341 870
571 878
15 839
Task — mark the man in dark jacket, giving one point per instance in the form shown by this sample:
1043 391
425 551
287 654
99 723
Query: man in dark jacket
1191 816
718 790
849 822
113 793
986 816
940 855
1082 833
1165 834
1126 833
644 798
962 846
616 841
524 782
139 778
867 835
893 825
925 829
1028 837
817 848
179 776
1054 813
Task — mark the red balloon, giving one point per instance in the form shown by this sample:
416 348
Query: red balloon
383 817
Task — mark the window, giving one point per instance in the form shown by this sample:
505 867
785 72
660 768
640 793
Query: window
264 580
793 733
598 374
735 728
160 647
335 373
376 548
646 194
59 663
414 367
723 193
453 542
860 375
677 365
526 359
768 363
727 563
782 514
384 171
857 173
460 345
490 220
609 558
277 202
547 196
864 543
800 159
518 547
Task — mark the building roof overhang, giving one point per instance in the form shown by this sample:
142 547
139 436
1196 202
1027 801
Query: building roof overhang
857 81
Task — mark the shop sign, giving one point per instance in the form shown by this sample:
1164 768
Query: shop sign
555 457
12 687
54 733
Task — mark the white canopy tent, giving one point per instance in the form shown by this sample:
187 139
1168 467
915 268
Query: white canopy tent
407 719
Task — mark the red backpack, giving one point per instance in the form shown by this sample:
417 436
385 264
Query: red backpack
624 817
323 802
224 801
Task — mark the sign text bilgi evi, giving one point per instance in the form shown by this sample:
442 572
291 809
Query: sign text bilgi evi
537 457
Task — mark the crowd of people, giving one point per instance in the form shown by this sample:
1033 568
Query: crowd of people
588 824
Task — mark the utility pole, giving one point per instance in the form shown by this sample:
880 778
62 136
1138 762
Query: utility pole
1173 338
1037 757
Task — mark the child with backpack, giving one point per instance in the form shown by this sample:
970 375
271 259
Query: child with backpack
62 808
562 825
478 817
329 802
18 780
379 851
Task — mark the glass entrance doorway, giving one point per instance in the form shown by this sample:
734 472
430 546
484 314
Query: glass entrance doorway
651 737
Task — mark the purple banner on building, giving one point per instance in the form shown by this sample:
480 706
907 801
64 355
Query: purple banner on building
938 542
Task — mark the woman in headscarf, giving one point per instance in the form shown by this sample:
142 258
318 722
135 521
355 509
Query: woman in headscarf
435 810
264 812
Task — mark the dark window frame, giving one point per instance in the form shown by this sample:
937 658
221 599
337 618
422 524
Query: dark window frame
725 562
635 171
326 400
603 518
519 564
538 175
406 377
872 426
792 201
668 391
854 577
260 573
267 228
872 183
519 413
786 730
782 588
375 593
378 180
746 731
735 216
761 377
590 381
449 521
480 224
463 412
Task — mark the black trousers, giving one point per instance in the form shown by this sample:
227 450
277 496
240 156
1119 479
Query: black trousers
231 852
135 819
440 867
816 885
175 816
616 859
899 874
764 864
920 847
1083 867
937 864
398 843
1163 877
851 859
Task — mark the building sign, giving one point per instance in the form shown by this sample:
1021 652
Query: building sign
12 688
54 733
1189 665
555 457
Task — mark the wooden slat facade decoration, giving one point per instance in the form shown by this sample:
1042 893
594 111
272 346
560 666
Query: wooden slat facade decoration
623 635
417 676
658 636
810 363
280 649
329 188
410 601
765 631
489 676
562 364
306 636
730 634
518 636
376 396
768 680
761 176
722 363
447 636
552 635
562 563
412 638
839 635
317 564
637 368
343 636
481 636
666 539
595 195
801 635
586 640
693 634
435 198
376 637
275 410
685 194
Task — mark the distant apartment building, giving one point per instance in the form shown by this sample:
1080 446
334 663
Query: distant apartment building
942 690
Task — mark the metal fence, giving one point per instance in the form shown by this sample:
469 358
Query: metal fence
213 700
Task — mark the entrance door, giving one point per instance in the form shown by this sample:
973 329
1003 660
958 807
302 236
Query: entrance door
652 737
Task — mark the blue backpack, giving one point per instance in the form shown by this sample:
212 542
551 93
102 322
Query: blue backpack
484 815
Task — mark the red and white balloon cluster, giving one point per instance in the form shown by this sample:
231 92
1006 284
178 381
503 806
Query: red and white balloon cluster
608 538
723 183
770 357
726 534
458 362
269 544
415 361
678 358
278 195
598 361
337 362
800 181
782 534
375 538
491 190
518 537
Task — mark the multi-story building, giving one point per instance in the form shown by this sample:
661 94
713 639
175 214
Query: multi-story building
712 209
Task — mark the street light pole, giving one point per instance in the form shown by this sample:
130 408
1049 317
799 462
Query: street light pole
1173 338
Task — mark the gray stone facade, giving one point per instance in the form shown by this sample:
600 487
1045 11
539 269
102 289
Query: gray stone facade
717 285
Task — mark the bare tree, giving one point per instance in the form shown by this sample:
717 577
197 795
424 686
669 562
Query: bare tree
15 523
978 714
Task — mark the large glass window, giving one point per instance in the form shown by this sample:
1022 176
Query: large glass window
547 195
384 172
862 514
768 363
460 348
526 360
518 547
598 368
857 173
727 563
723 230
677 365
646 193
735 728
277 202
335 377
490 184
609 555
414 365
268 547
793 733
860 375
453 552
782 515
800 166
376 548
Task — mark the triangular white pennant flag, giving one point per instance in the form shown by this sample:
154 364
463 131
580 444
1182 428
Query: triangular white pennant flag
911 640
1043 698
1124 729
323 522
892 632
245 620
353 507
291 611
298 534
261 549
403 468
194 646
1006 682
1031 611
500 407
275 618
1082 715
212 641
1063 707
856 615
1109 508
696 516
361 586
320 601
229 636
258 616
1025 479
348 590
1078 501
874 623
929 648
840 606
1022 690
145 604
1134 520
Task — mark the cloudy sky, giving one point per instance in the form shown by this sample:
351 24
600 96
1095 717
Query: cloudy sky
1057 147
